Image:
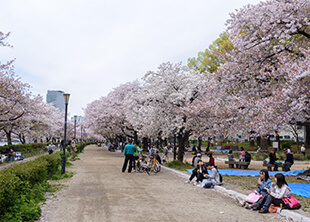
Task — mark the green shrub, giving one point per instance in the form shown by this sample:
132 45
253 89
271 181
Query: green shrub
10 185
286 145
24 147
23 185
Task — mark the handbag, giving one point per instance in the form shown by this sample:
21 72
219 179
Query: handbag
253 197
291 203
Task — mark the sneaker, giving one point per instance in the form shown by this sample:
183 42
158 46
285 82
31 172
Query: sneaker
263 210
247 206
196 183
187 181
240 202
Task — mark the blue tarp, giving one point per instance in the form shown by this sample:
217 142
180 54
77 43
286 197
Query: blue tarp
223 151
254 173
301 189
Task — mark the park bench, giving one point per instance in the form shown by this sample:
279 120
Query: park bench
243 164
269 166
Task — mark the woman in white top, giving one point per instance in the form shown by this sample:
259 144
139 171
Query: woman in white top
277 191
303 149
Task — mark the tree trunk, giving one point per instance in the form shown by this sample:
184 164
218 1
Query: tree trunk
135 137
144 142
278 140
21 138
252 142
182 138
258 141
9 137
307 141
174 147
264 144
199 144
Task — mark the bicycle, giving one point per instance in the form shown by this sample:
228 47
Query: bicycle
153 165
142 164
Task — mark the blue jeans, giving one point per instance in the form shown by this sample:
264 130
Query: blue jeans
206 183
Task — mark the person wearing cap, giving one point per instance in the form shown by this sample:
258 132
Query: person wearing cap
197 159
198 172
289 161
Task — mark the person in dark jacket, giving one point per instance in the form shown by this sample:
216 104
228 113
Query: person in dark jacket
198 172
289 161
129 150
272 159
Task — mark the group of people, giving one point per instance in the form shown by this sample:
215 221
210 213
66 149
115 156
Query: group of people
245 156
288 162
203 178
131 153
272 192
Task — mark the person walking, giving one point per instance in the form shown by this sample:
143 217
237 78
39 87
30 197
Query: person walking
51 147
73 149
303 150
129 150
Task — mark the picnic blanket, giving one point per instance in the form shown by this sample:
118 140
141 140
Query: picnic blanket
253 173
223 151
301 189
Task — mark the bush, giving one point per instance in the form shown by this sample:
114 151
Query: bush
24 147
23 185
10 185
286 145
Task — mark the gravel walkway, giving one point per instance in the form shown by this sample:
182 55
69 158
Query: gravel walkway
100 192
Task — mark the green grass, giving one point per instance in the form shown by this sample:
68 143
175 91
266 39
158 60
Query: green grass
179 165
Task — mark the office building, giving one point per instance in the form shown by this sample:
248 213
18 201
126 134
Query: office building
56 98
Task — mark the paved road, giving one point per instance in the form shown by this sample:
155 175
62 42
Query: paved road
100 192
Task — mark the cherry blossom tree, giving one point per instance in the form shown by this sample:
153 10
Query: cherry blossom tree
156 110
107 116
270 40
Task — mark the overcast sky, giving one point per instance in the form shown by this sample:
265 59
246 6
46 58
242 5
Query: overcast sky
87 48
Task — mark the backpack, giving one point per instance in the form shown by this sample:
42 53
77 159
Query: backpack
221 178
290 202
247 157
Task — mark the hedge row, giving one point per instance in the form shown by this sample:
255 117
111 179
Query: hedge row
24 147
17 179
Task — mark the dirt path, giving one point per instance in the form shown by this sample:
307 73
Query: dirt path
100 192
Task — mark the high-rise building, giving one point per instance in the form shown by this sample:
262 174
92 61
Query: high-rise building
57 98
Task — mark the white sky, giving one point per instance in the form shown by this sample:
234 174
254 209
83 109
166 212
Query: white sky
87 48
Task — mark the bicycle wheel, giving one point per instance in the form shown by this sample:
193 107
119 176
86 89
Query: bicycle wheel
157 167
148 170
139 166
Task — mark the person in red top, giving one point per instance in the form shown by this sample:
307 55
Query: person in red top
211 159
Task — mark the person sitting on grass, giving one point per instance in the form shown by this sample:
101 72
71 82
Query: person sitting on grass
211 180
198 172
278 190
263 184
